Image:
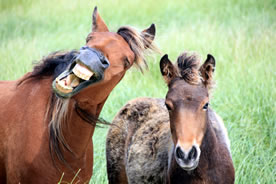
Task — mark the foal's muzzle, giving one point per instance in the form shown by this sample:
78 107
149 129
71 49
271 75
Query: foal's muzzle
187 159
86 68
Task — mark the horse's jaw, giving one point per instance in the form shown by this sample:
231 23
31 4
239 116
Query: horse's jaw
86 69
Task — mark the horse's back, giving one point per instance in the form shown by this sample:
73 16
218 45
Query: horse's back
137 143
21 110
7 89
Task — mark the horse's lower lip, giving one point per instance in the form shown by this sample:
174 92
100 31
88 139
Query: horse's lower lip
189 167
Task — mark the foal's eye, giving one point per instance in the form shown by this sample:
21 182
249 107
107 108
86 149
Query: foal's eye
168 107
126 63
205 107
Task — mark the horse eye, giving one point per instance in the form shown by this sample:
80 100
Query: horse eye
168 107
88 38
205 107
126 63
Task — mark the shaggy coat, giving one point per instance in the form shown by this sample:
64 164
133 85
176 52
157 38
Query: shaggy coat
140 147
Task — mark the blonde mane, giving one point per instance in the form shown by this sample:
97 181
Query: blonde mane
140 43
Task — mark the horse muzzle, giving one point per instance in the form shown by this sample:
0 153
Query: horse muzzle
187 160
85 69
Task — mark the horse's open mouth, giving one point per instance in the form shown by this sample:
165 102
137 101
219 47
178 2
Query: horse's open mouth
84 69
79 74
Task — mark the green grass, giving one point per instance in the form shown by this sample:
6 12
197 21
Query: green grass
240 34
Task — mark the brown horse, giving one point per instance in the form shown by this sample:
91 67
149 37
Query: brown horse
176 140
47 118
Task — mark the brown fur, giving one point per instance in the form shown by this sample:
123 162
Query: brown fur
31 115
140 146
141 123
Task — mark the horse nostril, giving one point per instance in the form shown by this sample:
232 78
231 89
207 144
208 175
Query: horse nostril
105 63
192 154
179 153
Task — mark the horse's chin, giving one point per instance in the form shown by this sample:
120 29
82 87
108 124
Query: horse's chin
71 82
187 167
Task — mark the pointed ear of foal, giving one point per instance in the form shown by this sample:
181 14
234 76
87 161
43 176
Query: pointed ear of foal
167 69
149 35
98 24
207 70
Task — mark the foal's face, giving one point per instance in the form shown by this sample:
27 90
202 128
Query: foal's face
187 102
187 105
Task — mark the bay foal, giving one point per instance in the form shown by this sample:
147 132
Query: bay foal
176 140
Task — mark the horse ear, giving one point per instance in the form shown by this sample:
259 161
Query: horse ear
167 69
149 35
207 70
98 24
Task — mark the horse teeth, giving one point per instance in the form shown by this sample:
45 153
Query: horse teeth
61 85
82 72
75 82
69 79
72 80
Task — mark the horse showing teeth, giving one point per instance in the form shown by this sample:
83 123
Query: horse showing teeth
61 85
72 80
82 71
75 82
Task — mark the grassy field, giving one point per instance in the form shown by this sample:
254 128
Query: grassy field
240 34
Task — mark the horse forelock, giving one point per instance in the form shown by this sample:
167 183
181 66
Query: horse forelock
188 67
140 44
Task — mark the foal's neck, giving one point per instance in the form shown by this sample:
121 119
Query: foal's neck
208 148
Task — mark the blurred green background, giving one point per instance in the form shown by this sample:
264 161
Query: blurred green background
240 34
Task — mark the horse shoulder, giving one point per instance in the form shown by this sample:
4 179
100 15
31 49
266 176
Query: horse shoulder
22 128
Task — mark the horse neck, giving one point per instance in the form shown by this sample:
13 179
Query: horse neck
208 151
77 130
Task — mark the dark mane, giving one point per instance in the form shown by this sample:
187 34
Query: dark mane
188 66
51 65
